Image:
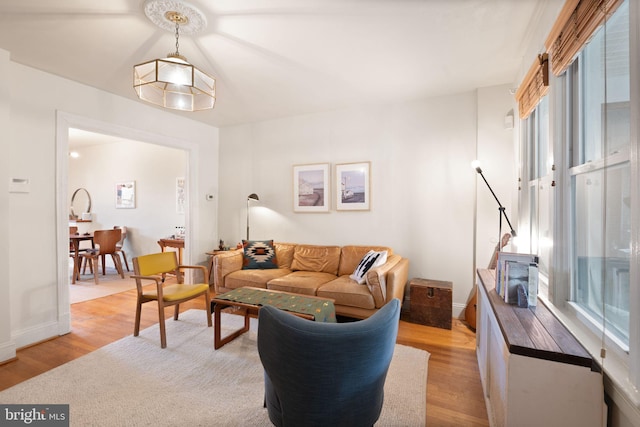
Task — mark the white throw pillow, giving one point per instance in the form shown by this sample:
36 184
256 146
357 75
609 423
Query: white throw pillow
371 260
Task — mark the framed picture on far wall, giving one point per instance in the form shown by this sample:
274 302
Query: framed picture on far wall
180 195
353 186
126 195
311 188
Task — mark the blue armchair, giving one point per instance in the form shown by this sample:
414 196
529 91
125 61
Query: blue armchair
326 374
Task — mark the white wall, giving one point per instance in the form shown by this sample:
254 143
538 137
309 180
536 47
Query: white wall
423 186
7 347
154 169
42 107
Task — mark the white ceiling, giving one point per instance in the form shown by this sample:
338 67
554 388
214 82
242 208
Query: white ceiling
277 58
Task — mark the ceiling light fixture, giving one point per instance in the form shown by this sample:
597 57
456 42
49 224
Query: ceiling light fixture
172 82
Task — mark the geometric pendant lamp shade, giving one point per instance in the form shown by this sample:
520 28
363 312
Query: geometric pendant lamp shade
172 82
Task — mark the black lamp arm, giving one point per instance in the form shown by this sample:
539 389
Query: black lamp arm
500 207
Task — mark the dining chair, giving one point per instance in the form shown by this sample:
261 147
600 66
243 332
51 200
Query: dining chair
154 268
120 245
105 240
72 252
72 230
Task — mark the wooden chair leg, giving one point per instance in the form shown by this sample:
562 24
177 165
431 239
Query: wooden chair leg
104 265
116 261
124 257
207 301
120 266
84 263
95 269
176 311
76 271
136 328
163 331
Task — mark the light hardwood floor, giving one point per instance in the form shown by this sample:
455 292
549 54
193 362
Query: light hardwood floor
454 393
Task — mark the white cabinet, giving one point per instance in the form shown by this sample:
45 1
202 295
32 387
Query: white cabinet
533 371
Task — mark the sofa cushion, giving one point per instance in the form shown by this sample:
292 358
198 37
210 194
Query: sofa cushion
370 260
351 255
323 259
347 292
376 282
284 252
259 254
300 282
255 278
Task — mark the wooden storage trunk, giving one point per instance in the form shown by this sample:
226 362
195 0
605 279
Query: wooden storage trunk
430 302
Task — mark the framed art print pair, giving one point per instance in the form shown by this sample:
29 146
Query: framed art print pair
351 187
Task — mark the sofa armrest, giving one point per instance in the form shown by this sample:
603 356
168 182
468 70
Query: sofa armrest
225 263
376 280
397 279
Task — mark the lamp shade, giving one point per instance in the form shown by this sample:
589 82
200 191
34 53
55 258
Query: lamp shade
253 196
174 83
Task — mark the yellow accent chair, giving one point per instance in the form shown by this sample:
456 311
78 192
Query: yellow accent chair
155 267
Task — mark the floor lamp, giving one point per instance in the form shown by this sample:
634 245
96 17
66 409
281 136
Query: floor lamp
501 210
252 196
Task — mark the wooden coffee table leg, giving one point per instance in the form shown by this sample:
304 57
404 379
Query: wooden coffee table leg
218 341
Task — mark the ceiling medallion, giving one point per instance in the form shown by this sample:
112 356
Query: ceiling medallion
159 12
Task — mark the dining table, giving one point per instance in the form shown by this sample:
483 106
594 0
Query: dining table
75 240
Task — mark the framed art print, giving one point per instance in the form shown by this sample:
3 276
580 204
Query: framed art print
311 188
180 195
126 195
353 189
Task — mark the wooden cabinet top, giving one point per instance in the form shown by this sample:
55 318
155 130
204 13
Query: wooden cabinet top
534 331
428 283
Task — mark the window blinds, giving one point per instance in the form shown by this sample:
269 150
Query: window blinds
577 22
534 86
575 25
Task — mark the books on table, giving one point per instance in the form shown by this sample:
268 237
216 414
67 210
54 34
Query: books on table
515 270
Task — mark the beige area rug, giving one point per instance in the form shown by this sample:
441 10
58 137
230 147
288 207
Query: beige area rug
133 382
86 289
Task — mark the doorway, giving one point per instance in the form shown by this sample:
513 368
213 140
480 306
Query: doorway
153 176
139 142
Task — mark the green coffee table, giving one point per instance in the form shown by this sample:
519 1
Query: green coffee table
250 300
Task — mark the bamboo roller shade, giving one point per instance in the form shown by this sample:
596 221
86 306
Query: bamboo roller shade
577 22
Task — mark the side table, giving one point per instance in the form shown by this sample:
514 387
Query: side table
172 243
431 302
212 254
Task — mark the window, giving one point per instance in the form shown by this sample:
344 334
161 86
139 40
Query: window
600 179
593 93
591 210
538 189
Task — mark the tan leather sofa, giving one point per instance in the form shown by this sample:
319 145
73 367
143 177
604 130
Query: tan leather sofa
322 271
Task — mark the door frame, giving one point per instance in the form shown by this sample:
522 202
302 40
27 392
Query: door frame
65 121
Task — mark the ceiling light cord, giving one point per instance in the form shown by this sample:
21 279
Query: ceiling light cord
177 38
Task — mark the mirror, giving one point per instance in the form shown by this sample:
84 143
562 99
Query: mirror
80 203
